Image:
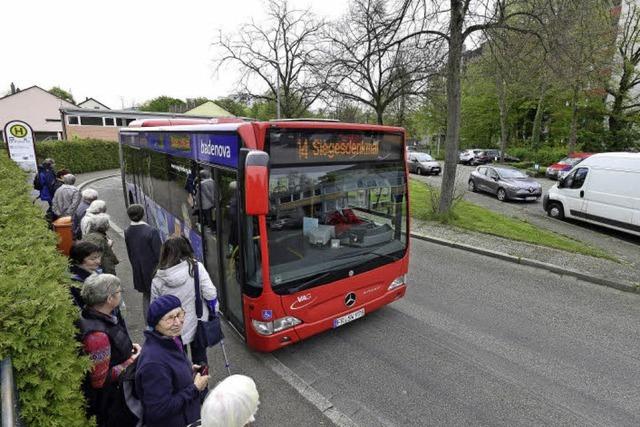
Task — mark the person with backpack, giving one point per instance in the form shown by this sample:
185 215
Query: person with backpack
167 384
107 343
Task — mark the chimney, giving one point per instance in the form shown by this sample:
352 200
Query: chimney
13 88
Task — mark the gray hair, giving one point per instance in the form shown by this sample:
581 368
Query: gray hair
232 403
89 195
98 287
97 206
69 179
98 222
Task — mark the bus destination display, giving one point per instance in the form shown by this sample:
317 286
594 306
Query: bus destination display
294 146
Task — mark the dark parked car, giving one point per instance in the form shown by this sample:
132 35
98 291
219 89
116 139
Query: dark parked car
495 156
505 182
474 157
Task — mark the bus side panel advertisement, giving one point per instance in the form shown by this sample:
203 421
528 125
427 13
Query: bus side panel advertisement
294 146
217 149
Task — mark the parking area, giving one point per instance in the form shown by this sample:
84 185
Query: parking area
623 246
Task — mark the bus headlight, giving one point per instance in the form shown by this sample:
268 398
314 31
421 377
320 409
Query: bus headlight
399 281
270 328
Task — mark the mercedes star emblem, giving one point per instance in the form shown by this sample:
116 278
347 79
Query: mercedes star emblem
350 299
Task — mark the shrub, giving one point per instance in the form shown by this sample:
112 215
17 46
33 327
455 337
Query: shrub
80 155
37 315
544 156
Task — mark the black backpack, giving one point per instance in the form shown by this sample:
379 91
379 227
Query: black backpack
37 183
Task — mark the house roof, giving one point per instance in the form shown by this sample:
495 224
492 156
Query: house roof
94 100
91 112
210 109
38 88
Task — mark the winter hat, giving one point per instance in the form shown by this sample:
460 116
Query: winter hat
161 306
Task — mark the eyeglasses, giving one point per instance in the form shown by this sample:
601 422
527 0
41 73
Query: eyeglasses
119 291
171 319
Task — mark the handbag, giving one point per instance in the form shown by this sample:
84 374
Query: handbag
208 332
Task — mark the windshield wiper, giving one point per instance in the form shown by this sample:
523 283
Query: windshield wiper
310 282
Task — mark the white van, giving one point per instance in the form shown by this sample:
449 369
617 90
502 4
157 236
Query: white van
603 189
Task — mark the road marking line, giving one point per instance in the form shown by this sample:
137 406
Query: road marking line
309 393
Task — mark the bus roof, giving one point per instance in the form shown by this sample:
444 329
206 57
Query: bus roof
232 124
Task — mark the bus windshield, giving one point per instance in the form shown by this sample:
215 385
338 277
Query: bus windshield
330 221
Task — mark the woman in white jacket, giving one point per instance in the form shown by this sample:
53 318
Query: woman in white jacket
175 276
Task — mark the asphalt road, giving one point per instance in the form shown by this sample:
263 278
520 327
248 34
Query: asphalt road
482 342
476 341
623 246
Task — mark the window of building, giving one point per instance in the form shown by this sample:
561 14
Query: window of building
109 121
91 121
73 120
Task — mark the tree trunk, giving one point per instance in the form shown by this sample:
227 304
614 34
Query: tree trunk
452 139
504 111
379 114
573 133
537 120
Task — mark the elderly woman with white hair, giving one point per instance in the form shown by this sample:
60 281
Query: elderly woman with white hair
232 403
66 198
107 343
95 207
87 197
97 234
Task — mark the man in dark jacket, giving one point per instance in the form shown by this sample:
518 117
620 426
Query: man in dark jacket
143 247
165 382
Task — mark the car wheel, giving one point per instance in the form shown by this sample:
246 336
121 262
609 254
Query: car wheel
555 210
419 171
472 186
502 195
436 173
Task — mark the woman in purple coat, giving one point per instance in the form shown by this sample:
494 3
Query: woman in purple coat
165 380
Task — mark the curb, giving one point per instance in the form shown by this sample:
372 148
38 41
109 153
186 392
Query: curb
99 178
621 286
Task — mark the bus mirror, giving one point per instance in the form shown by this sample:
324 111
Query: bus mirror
256 183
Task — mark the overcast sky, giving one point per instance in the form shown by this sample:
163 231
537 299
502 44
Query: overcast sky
125 51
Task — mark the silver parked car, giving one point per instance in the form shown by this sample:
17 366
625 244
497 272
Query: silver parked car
422 163
505 182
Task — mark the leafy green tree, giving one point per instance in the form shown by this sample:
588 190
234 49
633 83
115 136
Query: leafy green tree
163 104
63 94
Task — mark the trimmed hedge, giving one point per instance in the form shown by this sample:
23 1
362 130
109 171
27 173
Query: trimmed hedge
36 312
80 155
545 156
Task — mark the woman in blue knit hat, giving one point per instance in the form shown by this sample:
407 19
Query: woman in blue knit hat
165 380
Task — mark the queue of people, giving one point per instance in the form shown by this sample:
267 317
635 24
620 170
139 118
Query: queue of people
158 383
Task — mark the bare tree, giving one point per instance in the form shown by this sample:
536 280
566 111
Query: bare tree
367 66
278 59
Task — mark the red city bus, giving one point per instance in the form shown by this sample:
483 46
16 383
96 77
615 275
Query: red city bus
302 225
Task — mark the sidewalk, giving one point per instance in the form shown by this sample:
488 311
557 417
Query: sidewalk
623 275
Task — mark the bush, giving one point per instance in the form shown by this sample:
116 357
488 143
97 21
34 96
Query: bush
544 156
80 155
37 315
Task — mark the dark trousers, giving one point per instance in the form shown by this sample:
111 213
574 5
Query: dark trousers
198 354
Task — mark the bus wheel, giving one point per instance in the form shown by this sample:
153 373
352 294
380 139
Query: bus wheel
555 210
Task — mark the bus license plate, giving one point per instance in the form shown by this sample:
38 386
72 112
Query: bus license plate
348 318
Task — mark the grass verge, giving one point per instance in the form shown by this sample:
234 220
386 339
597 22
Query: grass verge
473 217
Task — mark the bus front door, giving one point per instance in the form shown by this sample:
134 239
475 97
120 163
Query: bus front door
228 243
